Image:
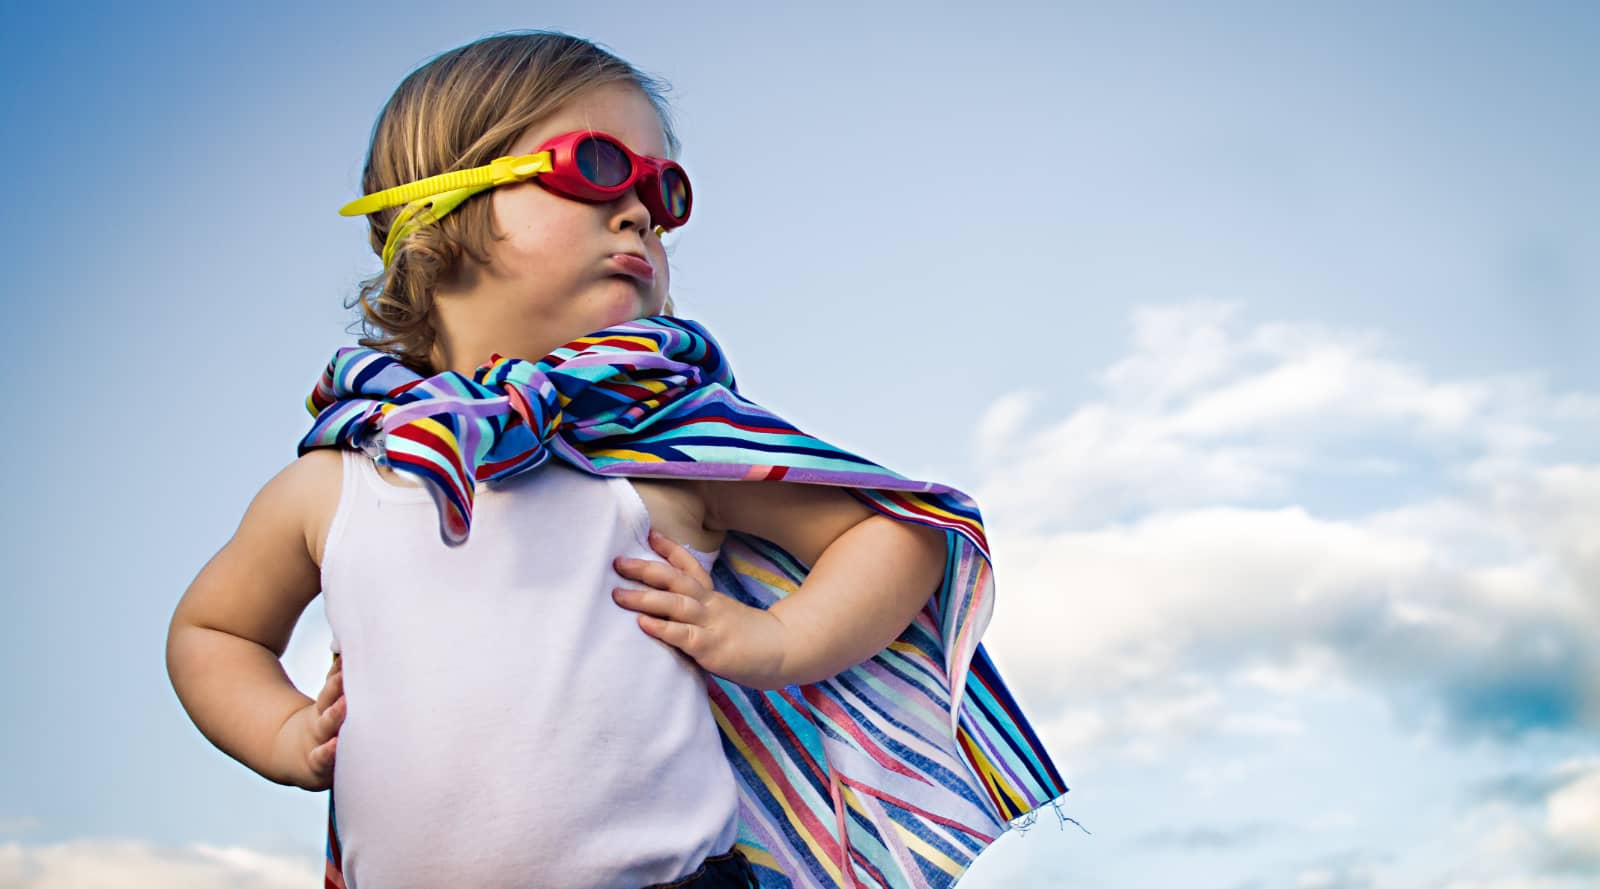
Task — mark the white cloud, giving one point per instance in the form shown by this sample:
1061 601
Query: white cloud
1201 414
1331 878
1176 527
1074 730
1539 827
1266 724
1572 819
1509 883
1208 778
1304 668
128 864
1176 349
1333 820
1003 420
1169 714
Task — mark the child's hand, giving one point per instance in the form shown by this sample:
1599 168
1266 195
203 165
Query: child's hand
722 635
307 743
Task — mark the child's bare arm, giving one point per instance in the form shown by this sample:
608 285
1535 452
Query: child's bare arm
869 577
234 622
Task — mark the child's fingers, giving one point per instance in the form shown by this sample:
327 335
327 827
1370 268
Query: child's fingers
684 637
331 690
679 557
329 721
322 758
674 577
657 574
662 604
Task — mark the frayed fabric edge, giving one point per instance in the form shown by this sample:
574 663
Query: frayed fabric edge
1026 822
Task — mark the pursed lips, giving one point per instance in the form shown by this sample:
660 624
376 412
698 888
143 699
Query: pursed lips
634 266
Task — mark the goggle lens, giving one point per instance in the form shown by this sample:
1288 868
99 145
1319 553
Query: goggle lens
675 192
602 163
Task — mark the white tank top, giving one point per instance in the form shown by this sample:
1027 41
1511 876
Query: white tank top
509 724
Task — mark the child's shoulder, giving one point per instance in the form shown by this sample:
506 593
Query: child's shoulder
304 495
313 471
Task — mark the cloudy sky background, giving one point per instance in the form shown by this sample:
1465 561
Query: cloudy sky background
1262 335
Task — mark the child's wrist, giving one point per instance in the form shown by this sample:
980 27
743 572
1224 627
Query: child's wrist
290 763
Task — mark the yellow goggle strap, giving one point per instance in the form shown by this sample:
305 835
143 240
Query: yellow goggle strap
500 171
428 200
424 212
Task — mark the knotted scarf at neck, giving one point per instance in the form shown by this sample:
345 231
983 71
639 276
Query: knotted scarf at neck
452 431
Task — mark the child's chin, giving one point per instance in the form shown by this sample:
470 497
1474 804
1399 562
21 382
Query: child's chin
637 305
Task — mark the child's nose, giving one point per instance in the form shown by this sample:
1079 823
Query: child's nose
629 212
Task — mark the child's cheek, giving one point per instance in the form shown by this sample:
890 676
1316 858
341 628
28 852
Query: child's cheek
662 287
540 229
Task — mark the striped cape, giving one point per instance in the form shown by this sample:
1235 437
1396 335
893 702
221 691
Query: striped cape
895 773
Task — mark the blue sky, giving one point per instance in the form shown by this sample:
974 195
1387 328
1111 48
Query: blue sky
1261 333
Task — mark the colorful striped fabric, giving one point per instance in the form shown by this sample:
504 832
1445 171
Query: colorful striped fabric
894 773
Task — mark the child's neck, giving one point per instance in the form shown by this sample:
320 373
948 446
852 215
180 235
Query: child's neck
472 321
464 355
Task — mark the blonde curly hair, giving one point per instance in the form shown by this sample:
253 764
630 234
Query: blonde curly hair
462 109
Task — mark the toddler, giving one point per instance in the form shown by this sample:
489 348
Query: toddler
700 648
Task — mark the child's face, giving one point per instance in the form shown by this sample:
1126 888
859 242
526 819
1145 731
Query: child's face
556 275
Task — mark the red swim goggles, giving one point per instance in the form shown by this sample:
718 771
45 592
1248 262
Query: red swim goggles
584 165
